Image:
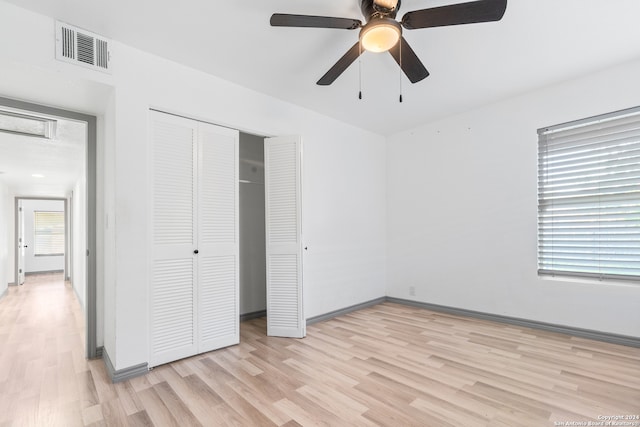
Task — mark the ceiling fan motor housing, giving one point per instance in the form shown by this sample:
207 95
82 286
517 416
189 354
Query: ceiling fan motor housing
371 10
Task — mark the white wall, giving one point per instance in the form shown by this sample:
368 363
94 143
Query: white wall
463 205
343 186
5 206
105 225
32 263
11 236
344 215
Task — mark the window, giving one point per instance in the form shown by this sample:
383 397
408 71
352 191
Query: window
49 233
589 197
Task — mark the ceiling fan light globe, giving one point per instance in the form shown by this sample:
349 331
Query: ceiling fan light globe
380 37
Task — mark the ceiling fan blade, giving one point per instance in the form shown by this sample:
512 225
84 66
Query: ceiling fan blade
410 64
286 20
455 14
339 67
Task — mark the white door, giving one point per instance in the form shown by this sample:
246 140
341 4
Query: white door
173 302
21 244
218 238
194 277
283 159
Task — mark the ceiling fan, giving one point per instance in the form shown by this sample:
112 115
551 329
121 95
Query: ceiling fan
383 33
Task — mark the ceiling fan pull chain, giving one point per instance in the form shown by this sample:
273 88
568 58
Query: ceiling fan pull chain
400 71
360 70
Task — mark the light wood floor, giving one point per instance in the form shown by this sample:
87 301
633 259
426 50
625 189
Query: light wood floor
387 365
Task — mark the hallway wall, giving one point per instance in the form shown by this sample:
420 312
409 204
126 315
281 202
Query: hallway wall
4 237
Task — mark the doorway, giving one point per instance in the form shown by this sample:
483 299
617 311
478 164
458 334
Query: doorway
282 241
86 204
42 237
253 273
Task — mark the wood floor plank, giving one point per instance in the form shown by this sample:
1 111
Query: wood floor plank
196 395
139 419
451 413
87 389
176 405
275 415
158 412
344 407
92 415
128 398
387 365
245 408
305 412
113 413
60 415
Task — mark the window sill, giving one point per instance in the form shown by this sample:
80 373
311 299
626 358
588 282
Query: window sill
590 280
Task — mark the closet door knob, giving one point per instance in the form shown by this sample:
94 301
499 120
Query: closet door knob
195 252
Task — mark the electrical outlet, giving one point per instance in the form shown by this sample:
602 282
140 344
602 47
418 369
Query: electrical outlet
412 291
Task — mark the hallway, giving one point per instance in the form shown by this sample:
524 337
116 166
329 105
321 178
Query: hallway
44 376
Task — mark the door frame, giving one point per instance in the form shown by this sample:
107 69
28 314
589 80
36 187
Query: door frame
92 351
19 244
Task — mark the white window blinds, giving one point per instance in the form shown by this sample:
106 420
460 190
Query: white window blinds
589 197
49 233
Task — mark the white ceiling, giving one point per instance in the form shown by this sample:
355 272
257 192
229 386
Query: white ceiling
537 43
60 161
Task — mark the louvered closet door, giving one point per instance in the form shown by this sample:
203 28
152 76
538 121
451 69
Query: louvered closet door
218 277
285 315
173 263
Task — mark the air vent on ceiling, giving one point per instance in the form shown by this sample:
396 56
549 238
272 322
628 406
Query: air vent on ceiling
82 47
